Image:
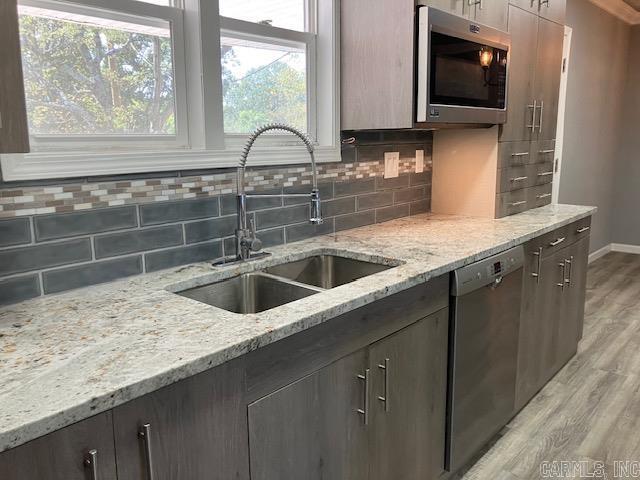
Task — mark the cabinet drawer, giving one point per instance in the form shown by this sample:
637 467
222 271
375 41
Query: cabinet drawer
542 151
539 196
524 176
558 239
513 154
514 178
510 203
543 173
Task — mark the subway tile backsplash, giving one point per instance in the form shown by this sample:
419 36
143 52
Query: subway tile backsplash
130 225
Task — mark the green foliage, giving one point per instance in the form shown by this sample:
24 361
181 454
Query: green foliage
81 79
273 93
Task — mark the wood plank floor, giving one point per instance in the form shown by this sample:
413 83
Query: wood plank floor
590 411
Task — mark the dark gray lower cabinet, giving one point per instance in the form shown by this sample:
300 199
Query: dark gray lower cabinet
377 413
192 430
408 398
552 310
63 455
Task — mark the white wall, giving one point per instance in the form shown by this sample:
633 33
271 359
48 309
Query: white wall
596 81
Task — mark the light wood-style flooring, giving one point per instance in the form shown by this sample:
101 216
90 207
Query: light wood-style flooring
590 411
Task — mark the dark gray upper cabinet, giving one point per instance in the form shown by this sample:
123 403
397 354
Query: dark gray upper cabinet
311 429
550 9
194 429
547 77
67 454
523 27
534 77
376 51
14 134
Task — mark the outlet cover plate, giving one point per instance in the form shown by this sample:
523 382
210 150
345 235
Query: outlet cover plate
419 161
391 164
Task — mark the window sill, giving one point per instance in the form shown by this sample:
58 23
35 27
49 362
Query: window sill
41 165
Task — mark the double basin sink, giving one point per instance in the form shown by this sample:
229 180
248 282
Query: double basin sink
280 284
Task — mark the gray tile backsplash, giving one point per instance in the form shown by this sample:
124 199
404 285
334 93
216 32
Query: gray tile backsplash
52 253
182 255
14 232
60 225
19 288
24 259
115 244
165 212
62 279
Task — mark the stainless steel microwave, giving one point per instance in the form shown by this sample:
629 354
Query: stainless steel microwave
462 70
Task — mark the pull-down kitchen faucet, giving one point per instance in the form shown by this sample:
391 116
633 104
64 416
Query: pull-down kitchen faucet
246 240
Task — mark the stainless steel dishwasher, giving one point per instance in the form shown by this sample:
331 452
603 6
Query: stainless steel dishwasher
486 299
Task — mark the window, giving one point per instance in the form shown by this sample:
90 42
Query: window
122 86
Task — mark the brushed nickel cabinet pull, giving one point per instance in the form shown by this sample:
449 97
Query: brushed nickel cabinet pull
557 242
541 113
534 107
563 267
545 174
91 463
515 204
543 2
551 150
364 411
583 229
539 266
518 179
145 434
385 366
543 195
569 263
520 154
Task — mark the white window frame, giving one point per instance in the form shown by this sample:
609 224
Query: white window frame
197 34
137 13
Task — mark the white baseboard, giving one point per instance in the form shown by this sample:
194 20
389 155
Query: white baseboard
601 252
614 247
625 248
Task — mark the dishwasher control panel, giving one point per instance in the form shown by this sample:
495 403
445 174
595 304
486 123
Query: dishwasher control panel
486 271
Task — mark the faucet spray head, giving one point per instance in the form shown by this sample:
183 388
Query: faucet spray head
316 208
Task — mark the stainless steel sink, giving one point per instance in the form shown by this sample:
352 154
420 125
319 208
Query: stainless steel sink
249 293
326 271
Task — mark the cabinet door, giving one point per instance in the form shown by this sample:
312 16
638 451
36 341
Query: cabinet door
376 54
523 27
528 5
407 433
492 12
578 281
312 429
457 7
541 301
569 328
196 429
553 10
547 77
61 455
14 136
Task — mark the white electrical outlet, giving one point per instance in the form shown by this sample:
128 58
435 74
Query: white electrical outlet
419 161
391 164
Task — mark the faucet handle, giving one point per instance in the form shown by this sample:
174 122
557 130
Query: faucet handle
316 208
253 242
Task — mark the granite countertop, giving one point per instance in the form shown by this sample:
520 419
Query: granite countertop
66 357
